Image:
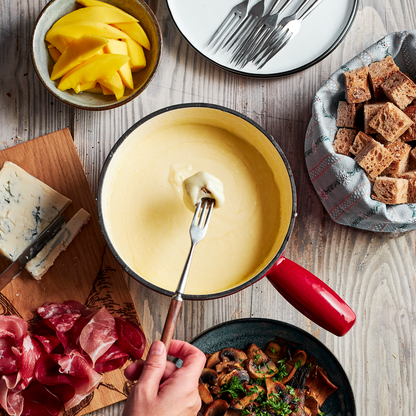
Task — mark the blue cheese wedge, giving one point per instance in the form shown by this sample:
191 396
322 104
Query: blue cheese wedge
40 264
27 207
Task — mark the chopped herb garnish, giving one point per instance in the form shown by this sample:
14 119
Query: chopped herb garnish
281 370
235 387
298 364
273 350
291 390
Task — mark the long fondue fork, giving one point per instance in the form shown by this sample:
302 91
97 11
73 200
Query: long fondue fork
197 232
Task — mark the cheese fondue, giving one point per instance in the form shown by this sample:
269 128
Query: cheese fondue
148 223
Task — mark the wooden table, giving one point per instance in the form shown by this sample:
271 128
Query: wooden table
374 273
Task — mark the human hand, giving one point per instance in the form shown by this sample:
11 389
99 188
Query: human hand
162 388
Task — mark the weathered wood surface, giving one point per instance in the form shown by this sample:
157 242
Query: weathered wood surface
374 273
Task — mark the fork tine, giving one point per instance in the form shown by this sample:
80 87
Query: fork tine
277 49
269 43
203 212
221 30
196 213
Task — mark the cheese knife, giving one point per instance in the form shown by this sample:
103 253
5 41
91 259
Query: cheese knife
31 251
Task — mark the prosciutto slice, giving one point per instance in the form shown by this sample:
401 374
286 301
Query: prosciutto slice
130 337
39 401
98 335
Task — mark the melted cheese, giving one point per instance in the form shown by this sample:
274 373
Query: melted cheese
148 223
41 263
202 185
27 207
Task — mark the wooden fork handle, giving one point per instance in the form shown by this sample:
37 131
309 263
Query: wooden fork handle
170 323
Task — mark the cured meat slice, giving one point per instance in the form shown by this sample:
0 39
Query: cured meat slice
111 359
10 356
39 401
13 327
61 316
11 402
82 309
130 337
98 335
31 353
83 377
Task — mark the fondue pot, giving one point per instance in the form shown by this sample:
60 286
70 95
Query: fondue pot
147 140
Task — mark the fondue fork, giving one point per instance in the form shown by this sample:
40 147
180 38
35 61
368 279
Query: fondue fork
197 232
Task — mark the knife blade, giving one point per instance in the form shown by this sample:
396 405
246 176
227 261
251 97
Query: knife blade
31 251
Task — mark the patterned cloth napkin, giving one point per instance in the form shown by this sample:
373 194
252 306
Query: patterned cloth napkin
339 181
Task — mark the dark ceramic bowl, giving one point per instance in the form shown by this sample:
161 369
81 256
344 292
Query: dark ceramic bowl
242 332
43 62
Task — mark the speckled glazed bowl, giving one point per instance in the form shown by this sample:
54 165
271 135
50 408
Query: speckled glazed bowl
43 62
240 333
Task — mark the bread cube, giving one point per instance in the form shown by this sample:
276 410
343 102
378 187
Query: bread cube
390 190
412 159
399 89
400 152
343 141
410 133
360 141
357 89
410 174
411 191
378 72
370 110
346 115
390 122
374 158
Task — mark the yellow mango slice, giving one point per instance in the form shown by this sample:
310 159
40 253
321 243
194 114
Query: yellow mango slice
116 46
62 36
114 84
105 90
96 3
137 59
98 67
96 90
95 14
136 32
77 52
86 86
55 54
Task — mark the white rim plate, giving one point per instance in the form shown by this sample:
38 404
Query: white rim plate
321 32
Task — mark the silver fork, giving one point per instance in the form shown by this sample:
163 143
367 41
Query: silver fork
260 34
197 232
243 30
288 28
237 13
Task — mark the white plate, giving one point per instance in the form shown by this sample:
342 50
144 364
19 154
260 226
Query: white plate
320 33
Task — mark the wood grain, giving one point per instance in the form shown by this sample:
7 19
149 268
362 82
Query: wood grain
86 271
375 274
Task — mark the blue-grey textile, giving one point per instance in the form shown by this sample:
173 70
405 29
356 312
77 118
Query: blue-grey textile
339 181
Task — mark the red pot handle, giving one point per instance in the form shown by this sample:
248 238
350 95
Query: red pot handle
311 296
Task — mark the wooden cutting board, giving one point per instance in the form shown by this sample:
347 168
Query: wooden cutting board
87 271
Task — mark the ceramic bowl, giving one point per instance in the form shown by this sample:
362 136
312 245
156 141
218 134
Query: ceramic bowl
240 333
43 62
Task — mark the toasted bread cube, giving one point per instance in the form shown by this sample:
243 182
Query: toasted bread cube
412 159
411 191
360 141
390 190
400 89
378 72
410 133
343 141
390 122
400 152
374 158
346 115
370 110
410 174
357 89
